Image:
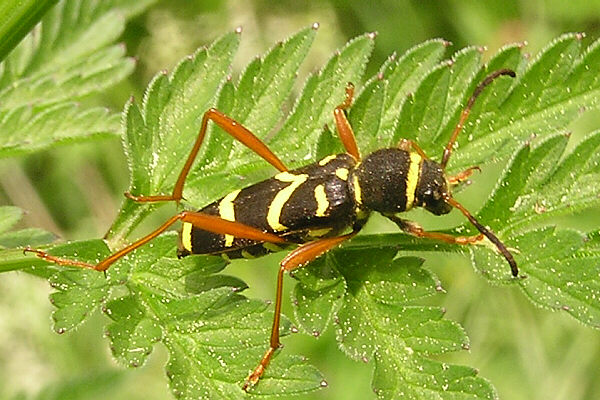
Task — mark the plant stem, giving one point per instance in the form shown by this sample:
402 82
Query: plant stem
18 18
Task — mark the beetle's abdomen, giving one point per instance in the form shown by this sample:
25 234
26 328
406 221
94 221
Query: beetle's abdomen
301 204
386 180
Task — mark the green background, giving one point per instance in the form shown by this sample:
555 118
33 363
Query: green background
75 192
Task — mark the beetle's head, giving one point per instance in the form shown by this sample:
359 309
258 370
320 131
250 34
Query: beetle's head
432 189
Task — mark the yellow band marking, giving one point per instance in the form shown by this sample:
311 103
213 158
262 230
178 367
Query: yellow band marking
342 173
412 178
322 202
186 236
326 160
357 193
276 206
227 212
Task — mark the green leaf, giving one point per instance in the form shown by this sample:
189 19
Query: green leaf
432 379
438 99
425 117
253 95
422 115
465 64
25 237
11 259
559 188
403 75
70 55
366 114
30 130
550 93
560 265
79 292
318 295
299 136
561 269
225 334
542 182
215 336
266 84
134 332
371 302
171 113
539 183
9 216
256 103
430 115
167 124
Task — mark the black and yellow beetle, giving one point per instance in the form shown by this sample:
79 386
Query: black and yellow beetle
316 207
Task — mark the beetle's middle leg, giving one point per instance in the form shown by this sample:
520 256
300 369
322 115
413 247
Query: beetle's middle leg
343 125
297 258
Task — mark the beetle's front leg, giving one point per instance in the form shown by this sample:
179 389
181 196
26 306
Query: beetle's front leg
417 230
462 176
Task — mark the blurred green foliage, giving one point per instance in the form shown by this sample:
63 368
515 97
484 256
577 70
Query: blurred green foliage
75 192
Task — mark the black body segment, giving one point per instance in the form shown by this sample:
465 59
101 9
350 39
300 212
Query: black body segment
301 205
387 180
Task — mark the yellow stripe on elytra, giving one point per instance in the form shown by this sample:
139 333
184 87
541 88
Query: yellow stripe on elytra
322 202
327 159
186 236
412 178
342 173
276 206
357 193
227 212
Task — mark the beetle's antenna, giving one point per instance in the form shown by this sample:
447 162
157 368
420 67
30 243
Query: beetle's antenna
465 114
489 234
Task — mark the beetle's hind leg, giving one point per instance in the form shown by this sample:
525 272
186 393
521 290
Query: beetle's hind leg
297 258
65 262
200 220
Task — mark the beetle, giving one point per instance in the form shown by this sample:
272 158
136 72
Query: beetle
316 207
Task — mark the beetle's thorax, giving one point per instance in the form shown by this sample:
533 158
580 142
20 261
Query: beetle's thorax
394 180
